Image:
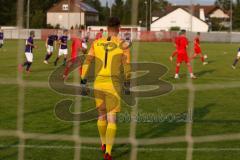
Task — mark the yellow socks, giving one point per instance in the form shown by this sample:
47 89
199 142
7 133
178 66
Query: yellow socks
110 137
107 134
102 128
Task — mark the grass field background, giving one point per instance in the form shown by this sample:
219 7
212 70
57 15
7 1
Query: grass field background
216 111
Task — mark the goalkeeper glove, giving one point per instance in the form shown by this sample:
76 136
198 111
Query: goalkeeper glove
127 88
84 87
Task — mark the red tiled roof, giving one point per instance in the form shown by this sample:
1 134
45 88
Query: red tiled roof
74 6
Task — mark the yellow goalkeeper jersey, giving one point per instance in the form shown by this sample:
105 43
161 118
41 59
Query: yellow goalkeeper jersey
110 54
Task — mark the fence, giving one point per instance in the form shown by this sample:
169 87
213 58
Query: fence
145 36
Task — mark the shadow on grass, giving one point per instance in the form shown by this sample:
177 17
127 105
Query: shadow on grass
202 73
157 130
210 61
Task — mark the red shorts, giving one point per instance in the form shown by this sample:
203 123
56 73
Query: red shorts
183 58
197 50
73 56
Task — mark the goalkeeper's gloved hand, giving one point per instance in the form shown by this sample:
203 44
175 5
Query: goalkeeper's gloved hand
84 87
127 88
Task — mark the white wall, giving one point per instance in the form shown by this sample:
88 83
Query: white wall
21 33
66 20
207 37
182 19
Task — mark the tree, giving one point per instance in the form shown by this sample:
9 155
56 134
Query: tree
118 8
157 5
236 16
38 10
37 19
8 12
224 4
106 13
97 5
127 14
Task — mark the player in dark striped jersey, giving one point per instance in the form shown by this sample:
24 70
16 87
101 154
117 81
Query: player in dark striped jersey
1 38
28 53
63 49
236 59
49 46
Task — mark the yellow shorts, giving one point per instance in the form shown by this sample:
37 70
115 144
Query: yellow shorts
107 94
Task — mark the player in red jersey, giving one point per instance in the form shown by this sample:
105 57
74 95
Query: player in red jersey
176 43
197 49
99 34
182 55
76 47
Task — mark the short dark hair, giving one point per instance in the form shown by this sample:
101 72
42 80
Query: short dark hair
114 22
32 33
183 31
101 30
198 33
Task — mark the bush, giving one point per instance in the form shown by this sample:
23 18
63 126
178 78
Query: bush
49 26
175 28
57 26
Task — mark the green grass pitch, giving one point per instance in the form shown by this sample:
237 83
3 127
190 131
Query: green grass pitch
216 110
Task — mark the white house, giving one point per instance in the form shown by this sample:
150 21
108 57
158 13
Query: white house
72 13
196 18
179 18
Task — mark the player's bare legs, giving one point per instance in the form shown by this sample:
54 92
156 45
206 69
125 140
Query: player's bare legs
177 70
56 61
201 57
191 71
84 51
235 62
26 64
65 60
47 57
66 71
194 56
203 60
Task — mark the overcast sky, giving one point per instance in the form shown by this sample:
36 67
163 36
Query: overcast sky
174 1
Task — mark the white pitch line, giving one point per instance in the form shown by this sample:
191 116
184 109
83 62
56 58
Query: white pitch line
141 141
140 149
182 86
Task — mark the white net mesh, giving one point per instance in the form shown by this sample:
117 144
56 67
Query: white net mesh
80 142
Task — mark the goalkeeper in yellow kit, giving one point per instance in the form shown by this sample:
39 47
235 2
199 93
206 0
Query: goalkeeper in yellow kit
109 54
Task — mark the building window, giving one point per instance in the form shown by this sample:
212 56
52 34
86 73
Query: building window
65 7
